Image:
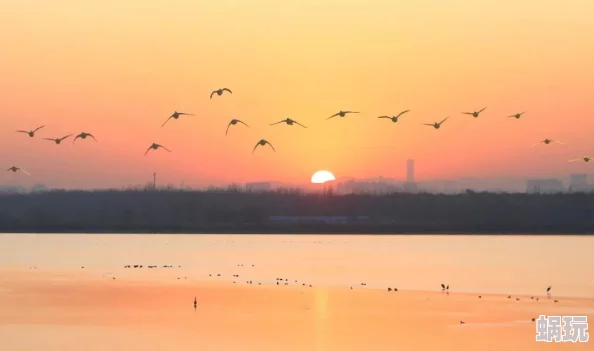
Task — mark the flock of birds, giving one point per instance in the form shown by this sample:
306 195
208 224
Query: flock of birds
288 121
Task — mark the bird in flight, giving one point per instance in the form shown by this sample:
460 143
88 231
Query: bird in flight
395 118
436 125
155 146
341 114
31 133
547 142
58 140
176 115
16 169
474 114
219 92
84 135
289 122
234 122
517 115
263 142
585 159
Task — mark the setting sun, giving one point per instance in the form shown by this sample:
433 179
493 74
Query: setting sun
321 177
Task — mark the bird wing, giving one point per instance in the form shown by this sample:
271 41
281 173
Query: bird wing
283 121
164 148
484 108
467 113
576 159
167 120
22 131
213 92
403 112
271 146
64 137
49 139
384 117
299 124
38 128
225 89
443 286
558 142
186 114
334 115
22 170
445 119
428 124
228 125
9 169
78 136
255 147
242 123
91 135
533 145
351 112
147 150
512 116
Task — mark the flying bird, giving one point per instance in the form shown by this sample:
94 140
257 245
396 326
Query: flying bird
263 142
585 159
84 135
436 125
547 142
517 115
219 92
474 114
58 140
16 169
176 115
549 288
234 122
155 146
289 122
395 118
31 133
341 114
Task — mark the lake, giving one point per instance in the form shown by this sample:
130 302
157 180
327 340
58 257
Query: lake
487 264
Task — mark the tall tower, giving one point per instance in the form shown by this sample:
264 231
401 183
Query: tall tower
410 171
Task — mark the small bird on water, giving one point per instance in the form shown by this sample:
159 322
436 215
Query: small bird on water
195 303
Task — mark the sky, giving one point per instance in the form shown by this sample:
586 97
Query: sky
119 68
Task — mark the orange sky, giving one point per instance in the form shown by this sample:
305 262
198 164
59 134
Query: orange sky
119 68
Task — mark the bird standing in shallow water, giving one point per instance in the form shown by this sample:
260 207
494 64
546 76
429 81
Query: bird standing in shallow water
155 146
195 303
234 122
436 125
84 135
263 142
289 122
176 115
219 92
58 140
474 114
394 119
16 169
31 133
341 114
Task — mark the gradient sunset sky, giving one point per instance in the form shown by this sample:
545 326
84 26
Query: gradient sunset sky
119 68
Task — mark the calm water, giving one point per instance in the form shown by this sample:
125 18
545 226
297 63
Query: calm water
500 264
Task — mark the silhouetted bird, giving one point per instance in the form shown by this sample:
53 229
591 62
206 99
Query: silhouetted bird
16 169
462 322
443 287
263 142
585 159
547 142
84 135
176 115
517 115
58 140
31 133
219 92
436 125
234 122
155 146
289 122
341 114
549 288
474 114
394 118
195 303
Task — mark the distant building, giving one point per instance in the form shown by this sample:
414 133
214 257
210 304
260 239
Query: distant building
258 186
544 186
579 182
410 171
318 219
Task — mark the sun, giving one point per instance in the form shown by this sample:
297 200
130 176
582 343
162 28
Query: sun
321 177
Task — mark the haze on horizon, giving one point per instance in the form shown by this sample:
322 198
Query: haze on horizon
119 68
